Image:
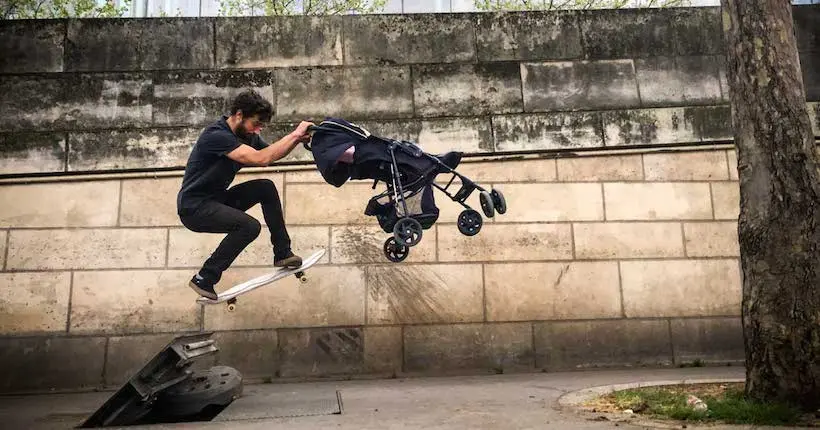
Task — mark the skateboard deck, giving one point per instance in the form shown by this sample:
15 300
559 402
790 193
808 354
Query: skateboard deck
232 293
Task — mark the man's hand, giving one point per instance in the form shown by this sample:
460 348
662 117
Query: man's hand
301 133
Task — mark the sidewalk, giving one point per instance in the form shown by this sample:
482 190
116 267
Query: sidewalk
519 401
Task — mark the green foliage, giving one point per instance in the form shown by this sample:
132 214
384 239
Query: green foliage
496 5
294 7
45 9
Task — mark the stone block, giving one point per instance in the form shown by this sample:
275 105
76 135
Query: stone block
22 153
657 201
649 32
86 249
732 161
678 288
336 206
28 102
321 352
685 166
422 293
709 340
333 296
62 204
665 81
150 202
533 35
667 125
383 350
547 131
408 39
596 169
569 85
33 302
467 89
810 66
468 348
711 239
626 240
726 200
32 46
126 355
133 301
376 91
254 353
553 202
51 363
814 117
186 98
513 169
435 136
286 41
4 237
594 344
507 242
130 149
103 44
177 44
806 22
310 176
359 244
547 291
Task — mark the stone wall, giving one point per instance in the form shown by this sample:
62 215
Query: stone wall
619 257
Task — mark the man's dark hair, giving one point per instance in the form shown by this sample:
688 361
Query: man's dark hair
251 103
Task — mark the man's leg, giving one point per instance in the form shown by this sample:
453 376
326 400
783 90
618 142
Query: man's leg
263 191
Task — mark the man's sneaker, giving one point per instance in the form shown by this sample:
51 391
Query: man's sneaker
202 287
291 261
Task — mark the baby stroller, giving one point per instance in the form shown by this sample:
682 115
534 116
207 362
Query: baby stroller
343 151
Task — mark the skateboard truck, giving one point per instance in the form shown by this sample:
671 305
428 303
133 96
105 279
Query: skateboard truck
299 275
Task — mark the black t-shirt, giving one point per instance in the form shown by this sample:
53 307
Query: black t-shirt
209 171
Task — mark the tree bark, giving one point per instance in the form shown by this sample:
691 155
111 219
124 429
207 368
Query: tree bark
779 222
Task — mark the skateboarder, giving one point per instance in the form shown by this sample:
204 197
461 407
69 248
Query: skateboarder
205 204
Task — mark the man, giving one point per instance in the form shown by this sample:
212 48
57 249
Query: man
205 203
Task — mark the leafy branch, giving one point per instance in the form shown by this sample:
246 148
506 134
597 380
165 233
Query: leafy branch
47 9
294 7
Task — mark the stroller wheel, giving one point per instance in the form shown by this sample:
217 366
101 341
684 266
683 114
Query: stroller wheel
395 252
487 204
469 222
498 201
407 231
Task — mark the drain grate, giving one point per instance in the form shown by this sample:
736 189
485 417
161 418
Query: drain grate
259 404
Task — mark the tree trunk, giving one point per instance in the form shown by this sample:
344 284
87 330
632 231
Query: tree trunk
779 223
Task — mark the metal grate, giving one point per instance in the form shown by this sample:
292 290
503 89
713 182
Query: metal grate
260 403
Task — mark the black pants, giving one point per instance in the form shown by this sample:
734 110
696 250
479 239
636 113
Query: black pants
227 215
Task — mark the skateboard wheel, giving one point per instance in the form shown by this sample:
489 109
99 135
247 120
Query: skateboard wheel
231 307
303 279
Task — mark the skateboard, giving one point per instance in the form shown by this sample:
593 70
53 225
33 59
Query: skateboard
232 293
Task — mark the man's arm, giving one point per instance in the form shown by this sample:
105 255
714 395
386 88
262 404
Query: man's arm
250 156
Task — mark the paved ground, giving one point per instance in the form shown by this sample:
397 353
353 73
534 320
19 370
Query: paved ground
520 401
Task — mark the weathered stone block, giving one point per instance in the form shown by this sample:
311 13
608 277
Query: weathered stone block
424 294
33 302
408 39
321 352
104 44
343 92
86 249
278 42
806 22
130 149
626 33
596 169
128 354
69 204
711 239
505 170
533 35
590 344
667 125
254 353
665 81
343 205
726 200
467 89
810 66
685 166
48 363
732 161
32 46
708 340
311 176
628 240
361 244
657 201
28 102
507 242
435 136
134 301
150 202
4 237
710 122
545 291
200 97
547 131
676 288
332 296
383 350
490 348
22 153
579 85
814 117
178 44
553 202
